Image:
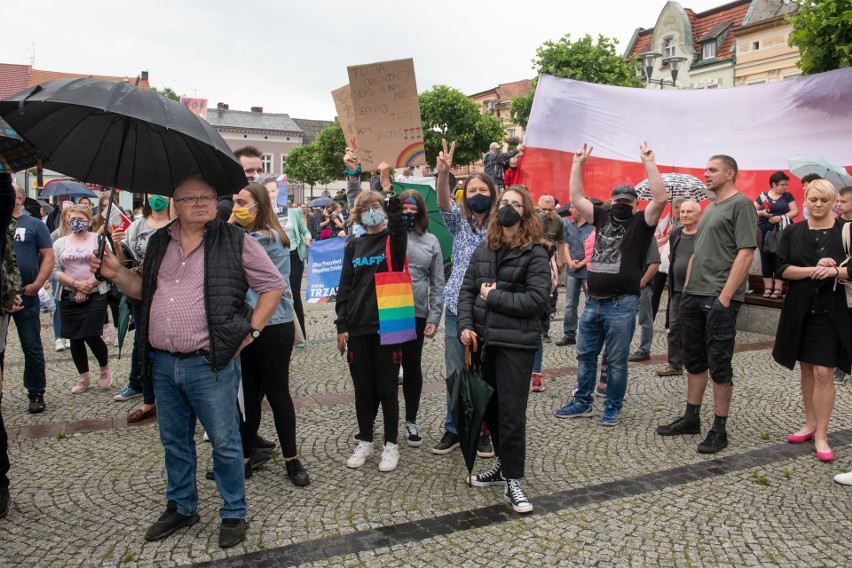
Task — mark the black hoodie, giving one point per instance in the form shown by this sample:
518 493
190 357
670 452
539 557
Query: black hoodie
364 256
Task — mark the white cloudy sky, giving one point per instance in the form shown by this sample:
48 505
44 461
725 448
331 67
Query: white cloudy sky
287 56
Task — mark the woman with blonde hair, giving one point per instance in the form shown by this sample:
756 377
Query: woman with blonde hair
83 299
813 328
506 290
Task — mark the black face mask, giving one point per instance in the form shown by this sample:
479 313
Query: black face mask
479 203
410 219
621 211
507 216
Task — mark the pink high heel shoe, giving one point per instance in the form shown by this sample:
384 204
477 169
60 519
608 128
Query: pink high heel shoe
825 456
798 439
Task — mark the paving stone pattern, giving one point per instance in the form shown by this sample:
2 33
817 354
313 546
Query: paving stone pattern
85 485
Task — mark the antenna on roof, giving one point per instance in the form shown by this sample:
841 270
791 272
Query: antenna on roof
32 54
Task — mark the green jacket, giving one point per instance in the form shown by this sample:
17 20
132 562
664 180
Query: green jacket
297 232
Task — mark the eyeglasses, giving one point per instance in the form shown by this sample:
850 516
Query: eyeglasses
514 204
374 207
195 199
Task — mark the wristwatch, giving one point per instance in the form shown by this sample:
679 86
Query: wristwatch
255 333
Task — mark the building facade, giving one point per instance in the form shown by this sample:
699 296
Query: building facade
762 50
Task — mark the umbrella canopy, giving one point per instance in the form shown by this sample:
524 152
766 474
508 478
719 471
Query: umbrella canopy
15 154
115 134
68 188
320 202
469 397
801 166
677 185
33 206
436 221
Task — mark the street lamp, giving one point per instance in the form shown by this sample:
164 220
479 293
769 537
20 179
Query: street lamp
649 57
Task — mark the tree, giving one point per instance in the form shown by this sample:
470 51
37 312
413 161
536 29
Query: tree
582 60
303 164
822 29
167 92
449 113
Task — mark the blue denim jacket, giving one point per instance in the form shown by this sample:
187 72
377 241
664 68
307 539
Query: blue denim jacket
280 257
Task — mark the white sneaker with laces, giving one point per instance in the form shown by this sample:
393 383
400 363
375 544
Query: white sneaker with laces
362 451
390 457
844 478
60 345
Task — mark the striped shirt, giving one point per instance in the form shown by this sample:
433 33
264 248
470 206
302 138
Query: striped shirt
178 321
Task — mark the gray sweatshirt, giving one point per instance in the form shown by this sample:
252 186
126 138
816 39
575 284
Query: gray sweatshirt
426 265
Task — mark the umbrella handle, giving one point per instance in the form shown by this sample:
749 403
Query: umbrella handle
470 349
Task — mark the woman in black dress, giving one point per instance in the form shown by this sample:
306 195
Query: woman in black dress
814 325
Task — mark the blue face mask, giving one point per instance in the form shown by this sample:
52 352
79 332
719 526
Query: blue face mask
372 217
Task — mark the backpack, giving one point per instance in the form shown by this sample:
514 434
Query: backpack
11 276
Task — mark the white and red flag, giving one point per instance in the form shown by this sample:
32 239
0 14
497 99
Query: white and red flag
760 126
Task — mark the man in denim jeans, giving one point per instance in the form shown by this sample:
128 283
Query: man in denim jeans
576 234
616 268
714 291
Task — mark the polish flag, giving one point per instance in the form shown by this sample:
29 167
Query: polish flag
760 126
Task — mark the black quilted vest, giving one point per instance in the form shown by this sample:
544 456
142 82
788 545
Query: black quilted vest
225 287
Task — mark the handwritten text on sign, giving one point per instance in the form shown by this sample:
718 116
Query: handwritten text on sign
386 114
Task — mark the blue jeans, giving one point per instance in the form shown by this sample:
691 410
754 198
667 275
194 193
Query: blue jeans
186 389
612 322
453 358
572 302
646 320
29 331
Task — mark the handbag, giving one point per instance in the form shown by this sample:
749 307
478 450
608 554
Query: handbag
395 299
772 240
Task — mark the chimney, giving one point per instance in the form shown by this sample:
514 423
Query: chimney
221 106
257 109
144 75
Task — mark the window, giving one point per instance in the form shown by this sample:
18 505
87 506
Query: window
511 132
283 162
668 47
708 50
266 160
755 45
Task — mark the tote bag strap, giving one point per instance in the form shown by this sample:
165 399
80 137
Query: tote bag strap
388 256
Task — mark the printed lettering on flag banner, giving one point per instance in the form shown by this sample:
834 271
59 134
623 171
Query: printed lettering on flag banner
325 262
387 114
196 106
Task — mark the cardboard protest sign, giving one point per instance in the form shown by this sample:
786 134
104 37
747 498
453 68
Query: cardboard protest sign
346 115
387 113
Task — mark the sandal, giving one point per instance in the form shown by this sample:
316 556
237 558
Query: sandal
767 292
776 295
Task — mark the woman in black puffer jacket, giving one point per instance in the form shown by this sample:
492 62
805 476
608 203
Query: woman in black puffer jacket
505 291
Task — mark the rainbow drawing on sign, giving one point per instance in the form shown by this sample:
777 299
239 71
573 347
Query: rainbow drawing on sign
412 155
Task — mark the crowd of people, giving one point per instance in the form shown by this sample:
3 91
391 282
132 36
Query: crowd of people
214 288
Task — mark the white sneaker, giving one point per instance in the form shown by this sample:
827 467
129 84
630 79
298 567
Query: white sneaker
67 344
844 478
390 457
206 438
362 452
60 345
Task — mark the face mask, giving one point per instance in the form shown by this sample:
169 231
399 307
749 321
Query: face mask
507 216
621 211
479 203
372 217
409 220
158 202
78 226
242 215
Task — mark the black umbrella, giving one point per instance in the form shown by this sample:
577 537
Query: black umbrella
15 154
116 134
469 397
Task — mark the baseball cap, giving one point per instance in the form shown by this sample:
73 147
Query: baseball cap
624 191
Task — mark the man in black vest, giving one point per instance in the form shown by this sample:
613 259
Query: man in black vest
194 323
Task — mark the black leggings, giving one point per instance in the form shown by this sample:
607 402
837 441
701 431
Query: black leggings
374 369
81 358
412 372
297 268
265 366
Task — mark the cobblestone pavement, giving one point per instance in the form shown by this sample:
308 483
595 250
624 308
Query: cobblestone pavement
85 486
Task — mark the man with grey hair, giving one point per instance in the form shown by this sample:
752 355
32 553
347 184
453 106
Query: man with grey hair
192 329
681 247
495 162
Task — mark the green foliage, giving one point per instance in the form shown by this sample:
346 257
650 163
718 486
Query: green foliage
583 60
167 92
303 164
822 29
449 113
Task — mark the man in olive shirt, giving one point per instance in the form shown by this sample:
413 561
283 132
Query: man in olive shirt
714 291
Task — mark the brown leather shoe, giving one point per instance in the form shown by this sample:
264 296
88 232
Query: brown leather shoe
668 371
139 415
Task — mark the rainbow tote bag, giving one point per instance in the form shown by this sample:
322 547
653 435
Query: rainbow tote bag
396 304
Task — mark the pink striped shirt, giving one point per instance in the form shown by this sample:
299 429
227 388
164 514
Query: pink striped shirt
178 321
